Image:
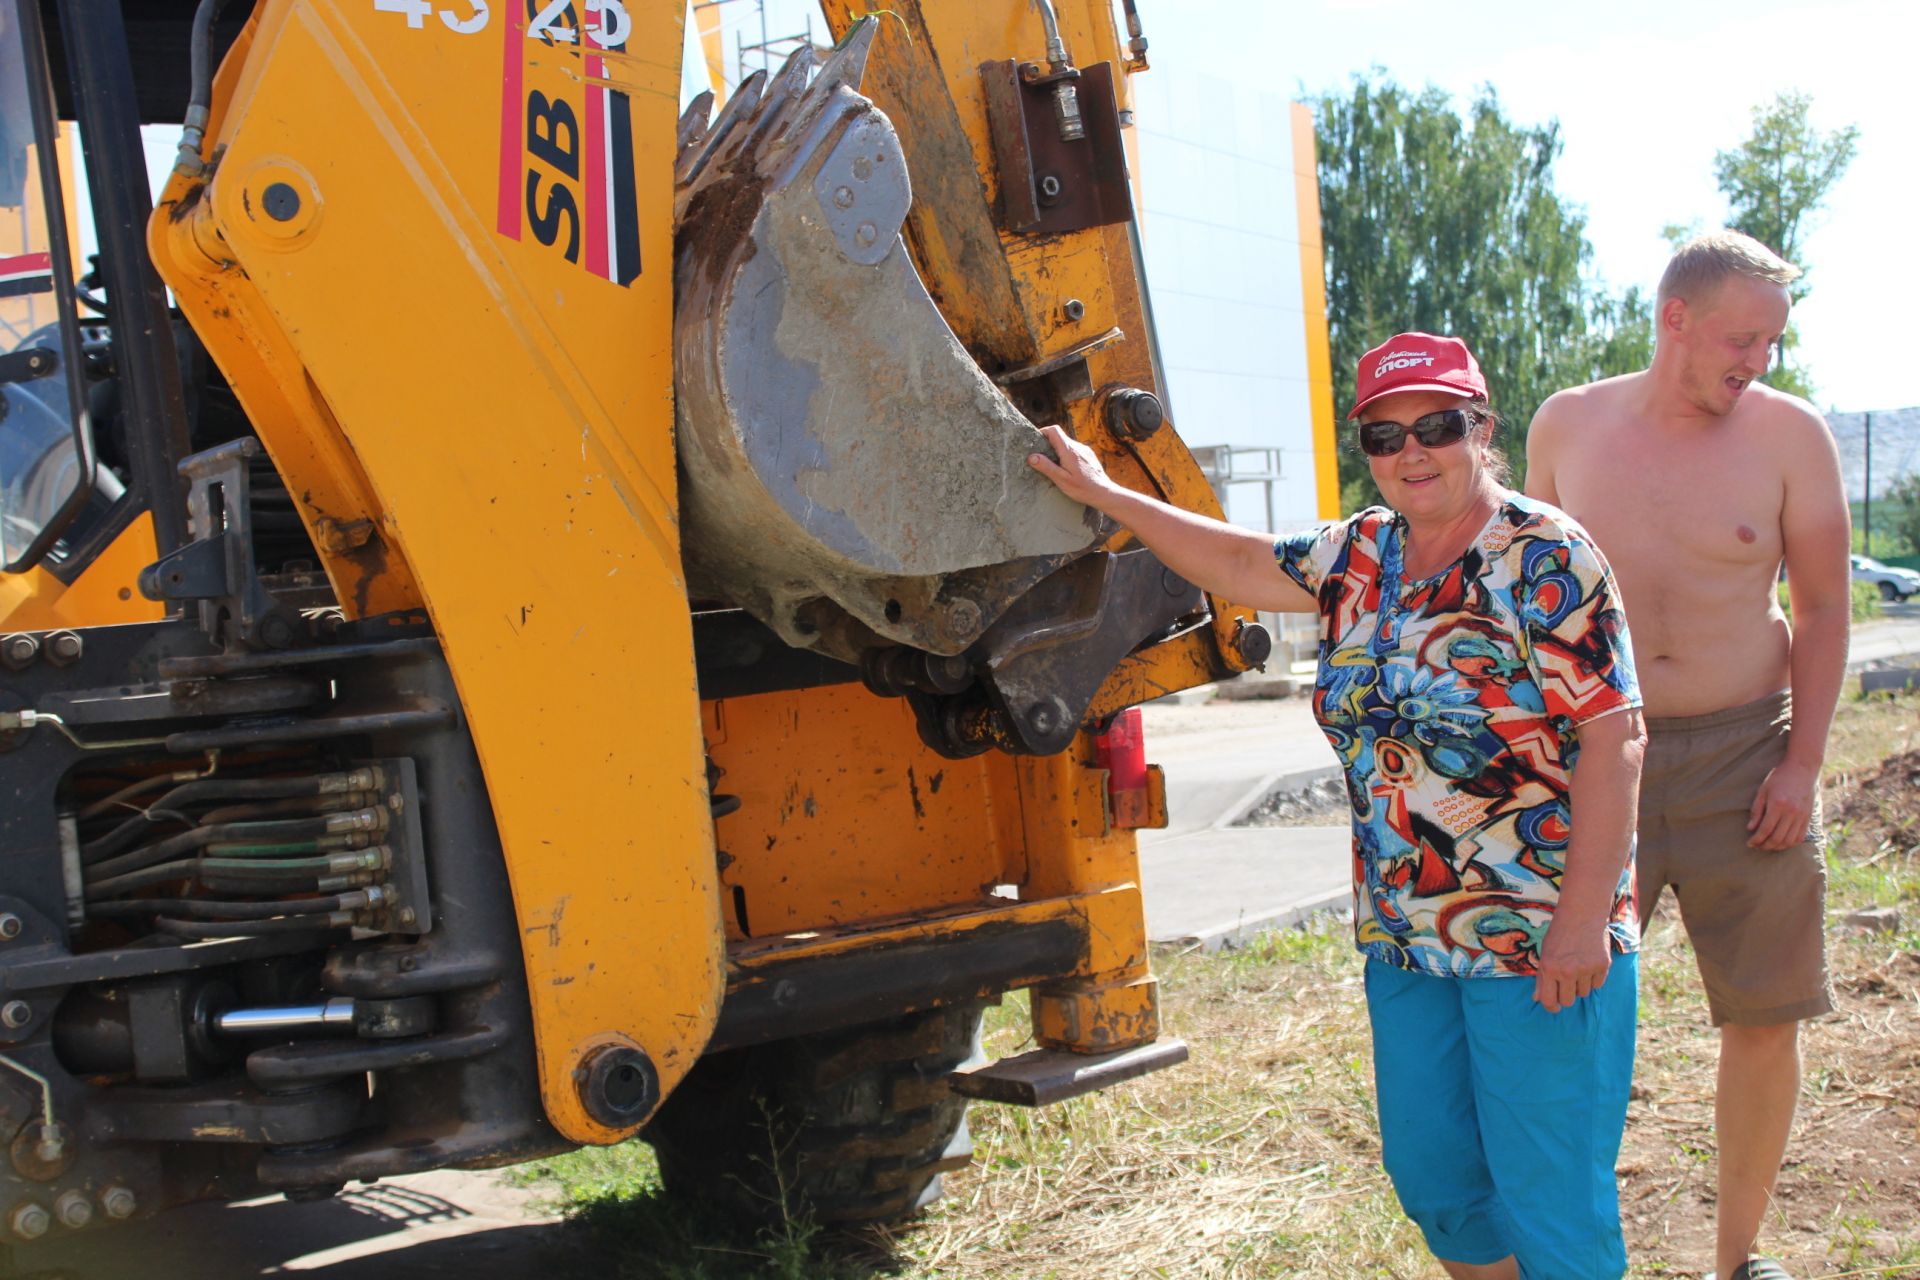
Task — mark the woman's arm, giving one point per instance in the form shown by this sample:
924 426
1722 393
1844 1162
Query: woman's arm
1221 559
1605 810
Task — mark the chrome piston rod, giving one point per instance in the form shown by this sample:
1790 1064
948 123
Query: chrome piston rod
333 1013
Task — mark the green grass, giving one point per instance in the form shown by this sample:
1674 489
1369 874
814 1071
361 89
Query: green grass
1863 605
629 1228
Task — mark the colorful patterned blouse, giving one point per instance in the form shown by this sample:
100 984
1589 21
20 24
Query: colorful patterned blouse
1452 703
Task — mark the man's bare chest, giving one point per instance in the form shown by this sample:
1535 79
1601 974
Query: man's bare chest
1680 510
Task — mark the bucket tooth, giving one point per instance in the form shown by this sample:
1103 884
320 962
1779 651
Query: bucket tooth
847 64
693 123
738 106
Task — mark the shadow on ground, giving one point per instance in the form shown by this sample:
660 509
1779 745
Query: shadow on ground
450 1226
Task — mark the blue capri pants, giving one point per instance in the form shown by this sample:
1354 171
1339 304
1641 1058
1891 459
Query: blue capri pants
1501 1122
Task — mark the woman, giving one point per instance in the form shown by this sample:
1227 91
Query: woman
1474 679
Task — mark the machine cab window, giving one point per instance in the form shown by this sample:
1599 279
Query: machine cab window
47 468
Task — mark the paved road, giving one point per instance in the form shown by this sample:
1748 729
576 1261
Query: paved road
1206 881
1894 638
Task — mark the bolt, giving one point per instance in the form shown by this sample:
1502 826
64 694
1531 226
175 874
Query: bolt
1254 643
865 234
618 1085
19 650
73 1209
1043 718
29 1221
1050 188
945 674
408 915
1134 414
119 1203
10 926
276 631
843 197
64 647
963 617
280 201
16 1014
1074 309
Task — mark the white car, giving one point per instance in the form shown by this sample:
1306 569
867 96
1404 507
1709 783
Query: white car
1894 584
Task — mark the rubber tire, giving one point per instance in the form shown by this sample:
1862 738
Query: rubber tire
859 1125
1889 592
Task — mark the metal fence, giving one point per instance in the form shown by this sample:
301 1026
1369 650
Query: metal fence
1876 448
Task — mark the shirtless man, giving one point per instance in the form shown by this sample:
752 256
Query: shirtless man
1696 480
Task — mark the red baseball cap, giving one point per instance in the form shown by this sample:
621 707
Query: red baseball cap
1417 362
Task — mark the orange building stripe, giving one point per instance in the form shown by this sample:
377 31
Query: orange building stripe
1313 298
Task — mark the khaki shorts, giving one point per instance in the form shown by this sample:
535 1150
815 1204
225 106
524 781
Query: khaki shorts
1757 917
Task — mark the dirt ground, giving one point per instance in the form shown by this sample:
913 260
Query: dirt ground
1849 1197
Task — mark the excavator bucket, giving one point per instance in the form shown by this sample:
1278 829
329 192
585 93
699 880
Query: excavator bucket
852 478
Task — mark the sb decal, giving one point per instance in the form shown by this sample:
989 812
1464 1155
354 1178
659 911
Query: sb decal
566 141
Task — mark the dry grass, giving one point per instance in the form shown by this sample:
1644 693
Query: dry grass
1257 1158
1260 1157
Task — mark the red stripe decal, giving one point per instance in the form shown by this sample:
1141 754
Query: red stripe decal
596 148
512 113
26 264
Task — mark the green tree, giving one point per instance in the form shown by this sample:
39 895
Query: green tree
1448 224
1776 183
1903 495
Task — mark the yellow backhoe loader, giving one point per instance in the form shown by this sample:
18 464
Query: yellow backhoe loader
526 618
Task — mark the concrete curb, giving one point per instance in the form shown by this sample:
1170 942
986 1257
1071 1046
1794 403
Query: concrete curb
1244 928
1294 780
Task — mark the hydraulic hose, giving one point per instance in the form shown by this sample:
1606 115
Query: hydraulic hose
141 786
266 875
298 807
217 909
200 929
200 97
223 789
360 820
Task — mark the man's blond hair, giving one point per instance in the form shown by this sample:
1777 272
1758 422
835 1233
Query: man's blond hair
1698 266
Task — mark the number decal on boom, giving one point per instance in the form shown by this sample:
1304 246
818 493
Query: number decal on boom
474 22
416 11
607 23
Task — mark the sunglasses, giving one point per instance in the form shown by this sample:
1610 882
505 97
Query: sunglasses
1434 431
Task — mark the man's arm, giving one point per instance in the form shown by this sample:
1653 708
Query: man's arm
1221 559
1817 530
1543 446
1604 809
